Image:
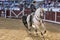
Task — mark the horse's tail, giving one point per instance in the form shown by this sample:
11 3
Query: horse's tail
24 21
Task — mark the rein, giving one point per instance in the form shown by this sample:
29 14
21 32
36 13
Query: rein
37 19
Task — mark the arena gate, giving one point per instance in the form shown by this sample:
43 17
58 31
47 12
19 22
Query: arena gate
16 13
13 13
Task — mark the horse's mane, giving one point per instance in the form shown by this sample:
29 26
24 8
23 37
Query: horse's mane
39 10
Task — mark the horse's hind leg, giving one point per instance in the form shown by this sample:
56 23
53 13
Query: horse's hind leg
29 28
29 24
36 31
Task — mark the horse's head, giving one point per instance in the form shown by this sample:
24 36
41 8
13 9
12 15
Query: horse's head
41 13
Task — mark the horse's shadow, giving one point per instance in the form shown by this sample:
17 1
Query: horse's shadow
34 37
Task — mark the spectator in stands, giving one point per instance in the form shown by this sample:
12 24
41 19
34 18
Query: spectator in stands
25 4
45 4
49 2
58 0
21 6
56 3
52 4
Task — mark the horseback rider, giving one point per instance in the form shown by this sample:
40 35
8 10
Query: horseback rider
33 9
32 6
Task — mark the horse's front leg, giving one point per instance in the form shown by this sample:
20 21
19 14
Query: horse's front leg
28 23
43 26
36 28
44 29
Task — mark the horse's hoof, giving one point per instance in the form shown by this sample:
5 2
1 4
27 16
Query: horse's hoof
44 31
36 35
41 33
29 32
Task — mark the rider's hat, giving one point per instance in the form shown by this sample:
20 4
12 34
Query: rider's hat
34 1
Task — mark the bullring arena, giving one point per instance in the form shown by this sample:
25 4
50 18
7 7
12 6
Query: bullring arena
13 29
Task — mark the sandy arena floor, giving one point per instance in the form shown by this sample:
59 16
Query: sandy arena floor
13 29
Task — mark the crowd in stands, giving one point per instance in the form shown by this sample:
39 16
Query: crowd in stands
51 4
48 4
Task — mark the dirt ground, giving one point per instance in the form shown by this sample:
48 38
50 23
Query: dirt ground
13 29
